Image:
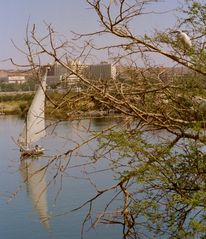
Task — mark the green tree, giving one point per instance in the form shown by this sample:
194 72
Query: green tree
159 148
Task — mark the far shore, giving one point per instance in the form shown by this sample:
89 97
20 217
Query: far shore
17 103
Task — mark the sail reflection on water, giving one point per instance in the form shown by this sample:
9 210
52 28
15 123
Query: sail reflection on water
33 176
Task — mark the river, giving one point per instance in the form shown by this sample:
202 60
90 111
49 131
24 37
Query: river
36 202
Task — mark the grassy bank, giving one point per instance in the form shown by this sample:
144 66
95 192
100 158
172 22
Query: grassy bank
58 105
15 103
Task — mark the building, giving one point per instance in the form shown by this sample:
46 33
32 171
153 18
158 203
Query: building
102 71
54 74
13 77
16 79
78 69
60 74
57 70
3 74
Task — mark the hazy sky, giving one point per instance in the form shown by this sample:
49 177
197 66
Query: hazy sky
65 16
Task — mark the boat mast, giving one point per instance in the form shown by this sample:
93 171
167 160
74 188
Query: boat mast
26 129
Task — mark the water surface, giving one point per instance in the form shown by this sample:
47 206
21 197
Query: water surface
39 206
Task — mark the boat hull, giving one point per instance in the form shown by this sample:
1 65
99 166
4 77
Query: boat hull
31 152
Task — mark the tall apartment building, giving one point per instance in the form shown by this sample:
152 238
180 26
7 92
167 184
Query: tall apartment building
102 71
59 73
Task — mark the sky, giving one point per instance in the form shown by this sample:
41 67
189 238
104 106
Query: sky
65 16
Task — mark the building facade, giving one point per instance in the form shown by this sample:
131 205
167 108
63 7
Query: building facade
16 79
102 71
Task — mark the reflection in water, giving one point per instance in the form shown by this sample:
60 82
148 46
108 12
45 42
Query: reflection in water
33 176
14 220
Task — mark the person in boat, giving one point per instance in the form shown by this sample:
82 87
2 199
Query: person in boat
38 148
23 148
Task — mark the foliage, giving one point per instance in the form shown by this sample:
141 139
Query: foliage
16 97
29 85
157 153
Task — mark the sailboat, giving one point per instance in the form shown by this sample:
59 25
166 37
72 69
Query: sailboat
34 128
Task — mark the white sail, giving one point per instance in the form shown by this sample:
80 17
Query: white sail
35 122
33 176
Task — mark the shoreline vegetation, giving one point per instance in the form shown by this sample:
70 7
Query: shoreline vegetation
17 103
62 105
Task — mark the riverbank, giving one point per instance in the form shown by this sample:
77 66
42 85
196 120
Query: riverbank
73 106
